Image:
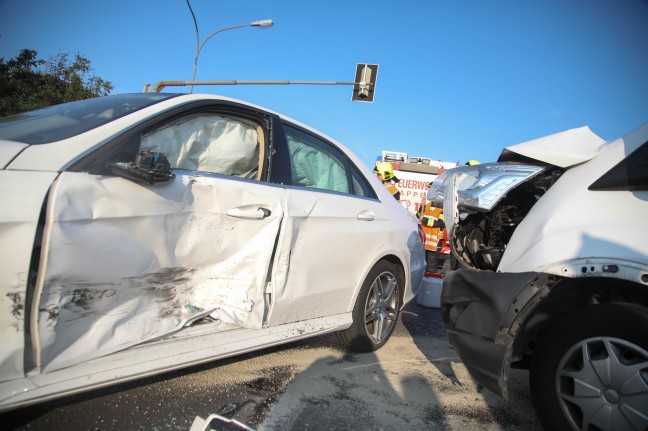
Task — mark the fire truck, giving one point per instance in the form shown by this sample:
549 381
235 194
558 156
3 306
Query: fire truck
414 174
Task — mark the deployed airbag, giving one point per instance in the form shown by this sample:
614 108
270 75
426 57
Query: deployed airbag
208 143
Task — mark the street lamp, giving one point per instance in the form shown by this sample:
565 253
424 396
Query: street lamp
262 23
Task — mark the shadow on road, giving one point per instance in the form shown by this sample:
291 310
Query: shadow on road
470 402
370 391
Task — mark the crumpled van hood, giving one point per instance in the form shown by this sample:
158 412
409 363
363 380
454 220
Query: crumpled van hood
9 150
563 149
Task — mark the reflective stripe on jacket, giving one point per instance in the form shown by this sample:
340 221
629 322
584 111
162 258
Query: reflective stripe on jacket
432 234
394 191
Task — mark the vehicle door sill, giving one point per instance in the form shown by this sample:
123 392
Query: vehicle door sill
192 346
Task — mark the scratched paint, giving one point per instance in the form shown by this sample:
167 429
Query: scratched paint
17 304
126 263
21 194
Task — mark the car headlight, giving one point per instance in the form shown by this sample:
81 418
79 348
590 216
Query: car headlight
480 187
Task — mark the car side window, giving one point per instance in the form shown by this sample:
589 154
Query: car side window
315 163
361 186
209 143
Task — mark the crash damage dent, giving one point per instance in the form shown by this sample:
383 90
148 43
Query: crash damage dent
298 212
604 267
320 236
563 149
483 311
21 195
124 264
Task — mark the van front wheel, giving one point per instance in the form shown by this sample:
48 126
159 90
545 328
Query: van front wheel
591 370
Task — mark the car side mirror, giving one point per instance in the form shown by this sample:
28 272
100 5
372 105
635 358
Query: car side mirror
149 167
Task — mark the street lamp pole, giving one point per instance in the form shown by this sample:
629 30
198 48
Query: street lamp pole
199 46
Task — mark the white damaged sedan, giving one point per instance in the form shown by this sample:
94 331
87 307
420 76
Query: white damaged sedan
141 233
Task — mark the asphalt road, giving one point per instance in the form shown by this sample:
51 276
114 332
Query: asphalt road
415 382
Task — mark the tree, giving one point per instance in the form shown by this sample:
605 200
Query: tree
27 82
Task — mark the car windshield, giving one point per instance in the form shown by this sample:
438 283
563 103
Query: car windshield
63 121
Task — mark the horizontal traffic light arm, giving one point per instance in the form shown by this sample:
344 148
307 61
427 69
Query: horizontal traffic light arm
160 85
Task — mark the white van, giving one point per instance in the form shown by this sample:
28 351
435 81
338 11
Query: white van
553 241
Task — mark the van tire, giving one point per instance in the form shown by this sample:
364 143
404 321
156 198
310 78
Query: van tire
567 378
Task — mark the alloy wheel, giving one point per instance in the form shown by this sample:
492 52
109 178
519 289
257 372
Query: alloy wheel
381 307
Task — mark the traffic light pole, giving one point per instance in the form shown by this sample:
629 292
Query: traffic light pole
160 85
364 85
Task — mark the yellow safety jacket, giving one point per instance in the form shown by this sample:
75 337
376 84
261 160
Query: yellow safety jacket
432 234
393 190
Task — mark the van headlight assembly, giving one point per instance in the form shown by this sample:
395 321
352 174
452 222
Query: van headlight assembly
481 187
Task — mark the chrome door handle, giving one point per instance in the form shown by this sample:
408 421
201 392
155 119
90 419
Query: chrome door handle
366 216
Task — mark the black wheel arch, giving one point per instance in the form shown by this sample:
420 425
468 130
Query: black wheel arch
400 273
566 296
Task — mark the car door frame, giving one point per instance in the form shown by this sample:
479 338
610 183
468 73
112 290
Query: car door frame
361 211
89 163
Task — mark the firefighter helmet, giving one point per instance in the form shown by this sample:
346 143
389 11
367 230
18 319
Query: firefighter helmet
386 170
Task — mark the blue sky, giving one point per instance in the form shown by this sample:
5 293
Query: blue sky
458 80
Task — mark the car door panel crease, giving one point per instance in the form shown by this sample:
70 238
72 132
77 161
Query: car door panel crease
173 266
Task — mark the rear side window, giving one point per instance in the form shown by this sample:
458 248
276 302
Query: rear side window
315 163
361 186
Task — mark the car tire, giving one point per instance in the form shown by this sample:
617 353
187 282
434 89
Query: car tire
376 309
590 370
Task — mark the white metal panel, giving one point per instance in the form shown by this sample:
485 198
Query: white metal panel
413 186
572 223
562 149
9 150
21 200
129 263
330 242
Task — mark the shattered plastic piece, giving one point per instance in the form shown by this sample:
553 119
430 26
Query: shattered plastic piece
200 424
227 409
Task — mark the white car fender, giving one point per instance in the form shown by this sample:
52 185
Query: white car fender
21 196
9 150
571 223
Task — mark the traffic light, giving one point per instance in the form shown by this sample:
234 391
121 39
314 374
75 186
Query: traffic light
364 86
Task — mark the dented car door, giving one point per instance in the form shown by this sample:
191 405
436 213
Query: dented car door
125 262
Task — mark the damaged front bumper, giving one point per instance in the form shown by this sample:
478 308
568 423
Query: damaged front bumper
483 311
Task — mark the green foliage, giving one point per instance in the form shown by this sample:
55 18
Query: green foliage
27 82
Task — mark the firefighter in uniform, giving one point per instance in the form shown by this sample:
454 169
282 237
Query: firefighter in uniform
385 173
433 226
